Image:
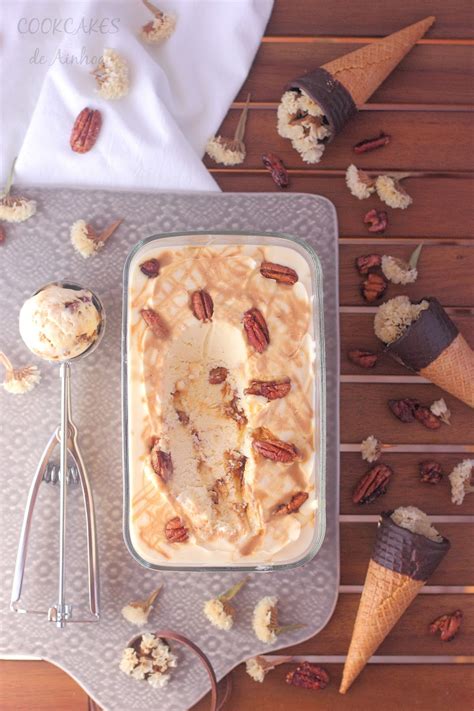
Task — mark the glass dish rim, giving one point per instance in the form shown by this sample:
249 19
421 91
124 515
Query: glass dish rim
318 538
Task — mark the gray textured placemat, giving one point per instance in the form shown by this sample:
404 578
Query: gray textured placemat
38 251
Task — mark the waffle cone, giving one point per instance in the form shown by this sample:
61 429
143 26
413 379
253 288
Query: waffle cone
361 72
385 597
453 370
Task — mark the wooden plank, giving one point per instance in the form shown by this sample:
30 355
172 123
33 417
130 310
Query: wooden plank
457 568
437 74
357 331
355 17
420 141
40 686
441 206
409 636
441 269
393 688
364 411
405 485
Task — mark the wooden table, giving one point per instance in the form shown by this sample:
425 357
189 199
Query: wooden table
426 106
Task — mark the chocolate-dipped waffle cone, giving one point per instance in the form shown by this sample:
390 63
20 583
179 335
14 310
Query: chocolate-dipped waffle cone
433 347
401 563
343 85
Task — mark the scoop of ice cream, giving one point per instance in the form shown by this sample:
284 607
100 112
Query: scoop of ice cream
416 521
59 323
395 316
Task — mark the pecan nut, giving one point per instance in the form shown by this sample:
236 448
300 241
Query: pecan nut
294 504
377 219
183 417
373 287
256 329
364 359
176 531
233 410
275 449
150 268
308 676
367 262
275 166
371 144
218 375
424 415
161 462
202 305
234 463
430 472
154 322
404 409
447 625
85 130
372 484
271 389
278 272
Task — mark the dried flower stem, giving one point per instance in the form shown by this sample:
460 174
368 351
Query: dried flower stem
232 592
153 9
9 182
414 257
106 232
240 130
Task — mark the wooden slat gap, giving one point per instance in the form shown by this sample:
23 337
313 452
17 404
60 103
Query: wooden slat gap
352 39
371 107
335 172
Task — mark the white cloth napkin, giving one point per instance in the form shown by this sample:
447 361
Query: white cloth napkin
180 90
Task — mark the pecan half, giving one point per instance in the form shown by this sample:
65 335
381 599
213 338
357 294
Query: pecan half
234 462
85 130
372 484
294 504
176 531
430 472
368 262
202 305
233 410
364 359
183 417
150 268
308 676
161 462
424 415
373 287
404 409
447 625
218 375
271 389
275 166
278 272
371 144
377 219
275 449
256 329
154 322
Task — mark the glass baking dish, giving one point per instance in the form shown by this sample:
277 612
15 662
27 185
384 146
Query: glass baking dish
135 409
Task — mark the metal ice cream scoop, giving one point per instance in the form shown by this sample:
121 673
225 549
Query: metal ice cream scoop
65 436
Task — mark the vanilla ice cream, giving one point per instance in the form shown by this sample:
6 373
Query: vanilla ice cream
59 323
233 472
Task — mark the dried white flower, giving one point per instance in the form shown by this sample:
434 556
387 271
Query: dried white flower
218 610
395 316
111 75
360 184
265 620
461 480
391 192
398 271
441 410
19 381
258 667
137 611
160 28
371 448
230 151
302 120
86 240
150 659
15 209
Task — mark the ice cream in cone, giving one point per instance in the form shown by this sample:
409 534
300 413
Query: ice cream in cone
429 344
338 88
406 552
